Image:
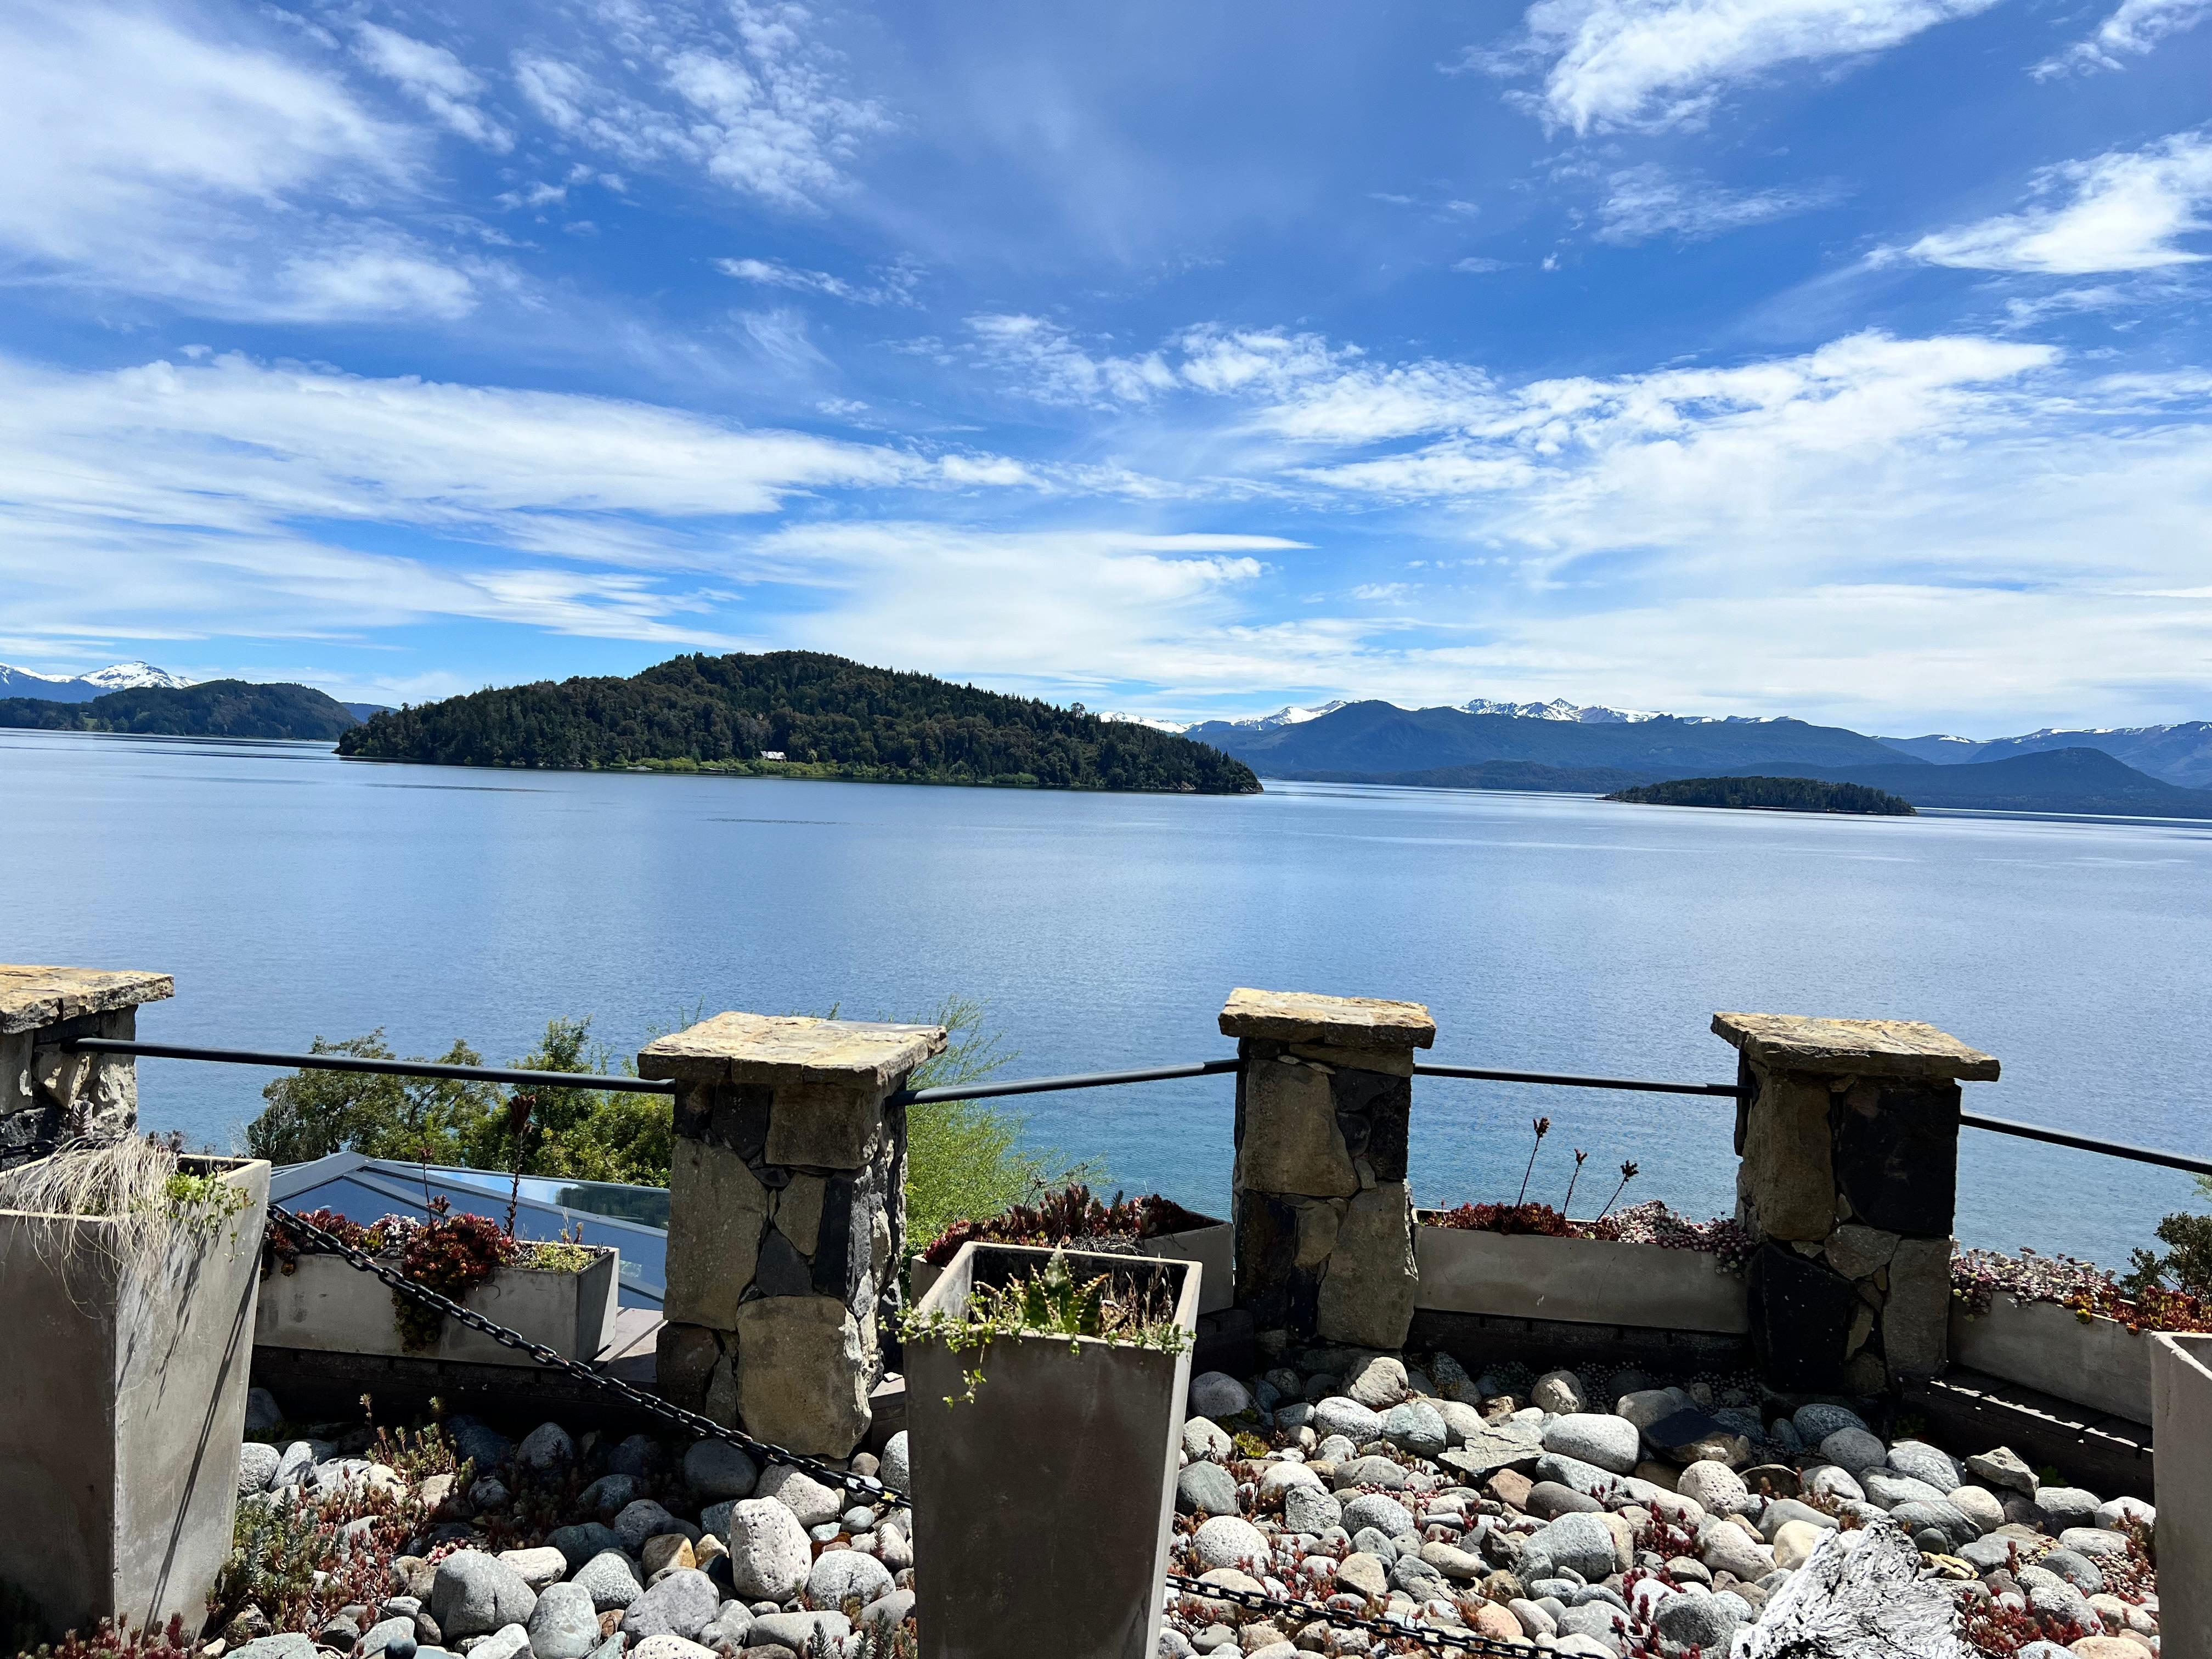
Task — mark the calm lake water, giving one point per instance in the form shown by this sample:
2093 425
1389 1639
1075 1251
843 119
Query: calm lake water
295 895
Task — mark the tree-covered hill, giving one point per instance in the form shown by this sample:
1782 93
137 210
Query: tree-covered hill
1771 794
214 708
825 717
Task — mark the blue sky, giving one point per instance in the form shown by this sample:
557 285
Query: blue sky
1845 358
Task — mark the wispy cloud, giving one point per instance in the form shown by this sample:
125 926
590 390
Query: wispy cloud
894 285
1647 201
434 78
2123 210
244 183
744 94
1649 64
2133 30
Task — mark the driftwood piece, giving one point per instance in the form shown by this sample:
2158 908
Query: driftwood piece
1859 1596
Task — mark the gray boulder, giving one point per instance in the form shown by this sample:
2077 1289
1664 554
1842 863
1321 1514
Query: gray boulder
508 1642
769 1552
611 1494
2068 1506
714 1470
256 1466
890 1610
647 1519
1355 1422
1703 1621
1218 1394
842 1574
476 1594
2076 1568
397 1634
478 1443
1379 1510
1610 1443
1815 1423
565 1623
799 1491
1416 1426
291 1645
610 1578
1857 1450
546 1447
796 1630
1889 1489
893 1471
582 1540
1309 1508
1581 1542
1206 1489
680 1603
1925 1462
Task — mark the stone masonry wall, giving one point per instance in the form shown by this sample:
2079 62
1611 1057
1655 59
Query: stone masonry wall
49 1096
787 1222
1322 1213
1848 1131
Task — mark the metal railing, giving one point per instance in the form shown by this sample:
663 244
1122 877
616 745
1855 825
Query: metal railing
1038 1085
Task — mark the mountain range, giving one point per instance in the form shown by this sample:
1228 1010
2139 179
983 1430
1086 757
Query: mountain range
83 688
1564 747
29 683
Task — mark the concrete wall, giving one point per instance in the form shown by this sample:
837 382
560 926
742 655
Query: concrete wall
2181 1396
122 1404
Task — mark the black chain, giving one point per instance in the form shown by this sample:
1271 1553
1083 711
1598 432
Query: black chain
1427 1635
329 1243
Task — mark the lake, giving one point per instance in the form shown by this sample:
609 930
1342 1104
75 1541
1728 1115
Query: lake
293 895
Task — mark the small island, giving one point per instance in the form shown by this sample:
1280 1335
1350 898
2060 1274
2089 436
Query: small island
1770 795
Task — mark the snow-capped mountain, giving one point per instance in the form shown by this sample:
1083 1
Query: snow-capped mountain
1559 709
1290 715
83 688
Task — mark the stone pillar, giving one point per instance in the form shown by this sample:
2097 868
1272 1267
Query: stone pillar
1848 1131
786 1219
1324 1222
48 1095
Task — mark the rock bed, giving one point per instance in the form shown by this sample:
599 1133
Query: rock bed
567 1547
1601 1515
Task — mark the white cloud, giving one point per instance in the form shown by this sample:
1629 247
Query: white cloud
2123 210
198 496
1647 201
1477 266
1655 64
434 78
894 286
1046 606
235 185
1054 368
753 102
2134 29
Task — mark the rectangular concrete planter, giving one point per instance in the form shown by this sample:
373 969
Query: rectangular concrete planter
2094 1362
1212 1247
1044 1505
1584 1281
339 1309
122 1403
2181 1430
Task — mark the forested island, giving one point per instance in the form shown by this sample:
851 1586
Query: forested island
1769 794
797 713
214 708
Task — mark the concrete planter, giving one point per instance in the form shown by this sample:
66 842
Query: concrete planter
339 1309
1016 1564
2181 1406
2094 1362
1211 1246
122 1404
1587 1281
